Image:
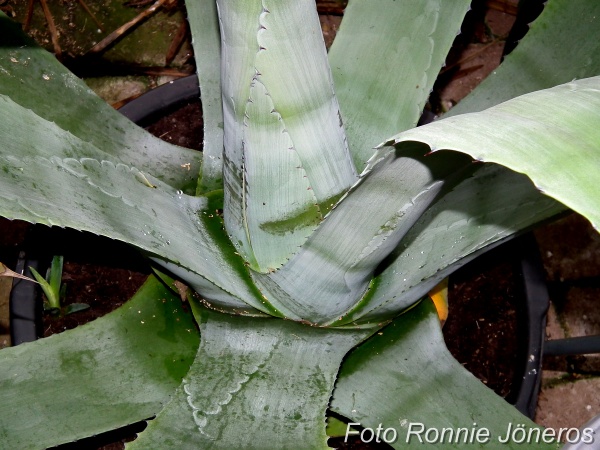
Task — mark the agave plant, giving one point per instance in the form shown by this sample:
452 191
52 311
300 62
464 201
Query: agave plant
309 252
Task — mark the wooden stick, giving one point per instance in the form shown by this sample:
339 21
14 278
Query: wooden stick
89 11
52 28
471 56
163 72
176 43
119 32
27 23
6 272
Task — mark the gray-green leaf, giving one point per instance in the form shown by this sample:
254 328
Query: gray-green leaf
117 370
404 376
385 59
34 79
256 384
552 136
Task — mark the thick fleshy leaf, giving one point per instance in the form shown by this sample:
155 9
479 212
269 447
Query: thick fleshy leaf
333 269
552 136
204 23
404 379
119 202
292 63
277 81
34 79
117 370
562 44
281 208
562 52
238 51
385 59
255 384
480 212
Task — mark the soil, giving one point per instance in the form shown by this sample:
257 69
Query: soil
487 319
183 127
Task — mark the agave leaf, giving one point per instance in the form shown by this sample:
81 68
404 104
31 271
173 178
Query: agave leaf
558 126
55 275
480 212
281 208
552 136
238 51
382 84
405 375
52 295
561 51
95 196
204 23
292 63
336 264
121 368
34 79
562 44
255 384
277 81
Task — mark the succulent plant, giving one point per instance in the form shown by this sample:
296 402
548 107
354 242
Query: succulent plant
310 229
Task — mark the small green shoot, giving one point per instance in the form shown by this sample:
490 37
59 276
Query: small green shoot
51 284
53 291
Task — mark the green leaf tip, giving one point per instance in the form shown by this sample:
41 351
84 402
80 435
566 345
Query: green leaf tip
548 143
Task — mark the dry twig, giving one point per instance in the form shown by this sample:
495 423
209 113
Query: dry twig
119 32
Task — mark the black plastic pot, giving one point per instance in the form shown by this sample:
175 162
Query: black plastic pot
537 304
25 307
161 101
26 314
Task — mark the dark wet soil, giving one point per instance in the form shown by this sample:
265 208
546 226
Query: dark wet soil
487 319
